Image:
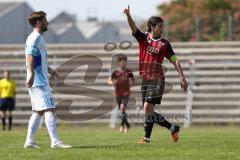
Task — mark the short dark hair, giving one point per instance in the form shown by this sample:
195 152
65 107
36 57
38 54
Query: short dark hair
122 57
36 16
153 21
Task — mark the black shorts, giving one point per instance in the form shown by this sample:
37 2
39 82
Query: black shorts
123 100
152 91
7 104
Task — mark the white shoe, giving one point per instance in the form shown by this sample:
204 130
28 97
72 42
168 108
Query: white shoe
61 145
31 145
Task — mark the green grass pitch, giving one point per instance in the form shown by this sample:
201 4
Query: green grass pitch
101 143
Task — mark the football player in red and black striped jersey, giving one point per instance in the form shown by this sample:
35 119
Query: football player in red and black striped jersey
152 50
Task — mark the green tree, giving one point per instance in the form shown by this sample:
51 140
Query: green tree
212 14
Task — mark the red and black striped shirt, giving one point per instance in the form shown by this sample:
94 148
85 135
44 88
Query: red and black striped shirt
122 87
151 55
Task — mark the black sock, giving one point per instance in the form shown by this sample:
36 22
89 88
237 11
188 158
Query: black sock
127 124
123 118
148 125
160 120
3 123
10 123
126 119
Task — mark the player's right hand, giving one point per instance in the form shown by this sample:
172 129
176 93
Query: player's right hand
30 82
127 11
184 84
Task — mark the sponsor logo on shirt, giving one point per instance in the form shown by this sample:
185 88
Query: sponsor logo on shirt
154 50
162 44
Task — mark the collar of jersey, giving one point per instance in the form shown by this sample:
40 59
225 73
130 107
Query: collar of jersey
153 38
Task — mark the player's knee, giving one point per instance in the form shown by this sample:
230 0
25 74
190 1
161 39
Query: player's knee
146 110
148 107
3 114
9 114
122 108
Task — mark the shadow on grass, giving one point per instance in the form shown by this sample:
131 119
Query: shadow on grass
94 146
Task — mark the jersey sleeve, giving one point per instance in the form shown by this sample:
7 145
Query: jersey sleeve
139 35
32 47
170 54
130 74
0 87
114 75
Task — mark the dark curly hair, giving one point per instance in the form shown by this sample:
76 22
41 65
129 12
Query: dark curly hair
153 21
36 16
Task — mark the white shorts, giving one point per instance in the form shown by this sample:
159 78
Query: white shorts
41 98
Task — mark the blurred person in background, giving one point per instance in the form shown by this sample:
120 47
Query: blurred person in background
7 99
122 79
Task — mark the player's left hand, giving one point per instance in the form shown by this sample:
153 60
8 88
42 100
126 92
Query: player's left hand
184 84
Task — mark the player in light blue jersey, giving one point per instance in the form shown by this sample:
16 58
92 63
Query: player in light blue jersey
37 82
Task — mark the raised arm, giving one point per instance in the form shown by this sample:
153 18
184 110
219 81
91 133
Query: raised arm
131 22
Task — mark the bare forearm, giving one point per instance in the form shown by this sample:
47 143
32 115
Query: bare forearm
30 66
178 67
30 69
114 82
183 81
109 81
131 23
130 20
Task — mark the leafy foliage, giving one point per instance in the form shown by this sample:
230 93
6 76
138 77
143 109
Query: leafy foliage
213 16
